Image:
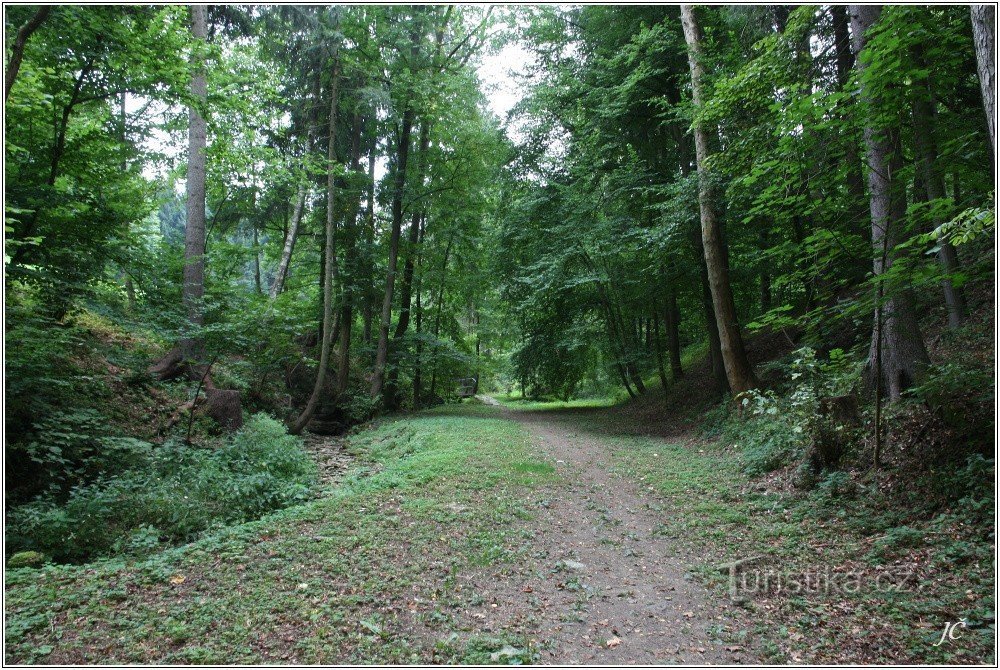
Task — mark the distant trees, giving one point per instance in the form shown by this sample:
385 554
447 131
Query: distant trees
813 201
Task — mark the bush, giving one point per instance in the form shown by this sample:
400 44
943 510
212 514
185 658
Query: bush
180 492
774 430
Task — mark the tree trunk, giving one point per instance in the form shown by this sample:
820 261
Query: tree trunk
17 51
418 322
291 234
932 180
658 351
412 242
350 225
897 356
437 315
983 27
672 324
399 186
129 286
738 371
329 264
194 233
286 253
845 61
366 333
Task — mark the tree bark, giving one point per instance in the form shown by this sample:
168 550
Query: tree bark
399 186
194 233
437 315
983 27
897 355
347 312
845 61
17 51
932 181
658 351
738 370
329 263
366 334
412 242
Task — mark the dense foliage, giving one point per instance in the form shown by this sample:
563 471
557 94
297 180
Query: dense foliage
310 212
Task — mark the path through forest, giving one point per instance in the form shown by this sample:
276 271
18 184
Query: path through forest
607 588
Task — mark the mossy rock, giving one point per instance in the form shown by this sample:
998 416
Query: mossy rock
26 559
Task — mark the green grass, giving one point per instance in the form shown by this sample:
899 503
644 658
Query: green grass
517 402
365 575
714 510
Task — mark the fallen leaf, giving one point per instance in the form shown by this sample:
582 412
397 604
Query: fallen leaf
177 579
613 642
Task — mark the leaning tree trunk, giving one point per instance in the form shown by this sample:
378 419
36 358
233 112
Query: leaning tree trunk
300 200
17 51
194 233
897 357
983 26
739 373
329 264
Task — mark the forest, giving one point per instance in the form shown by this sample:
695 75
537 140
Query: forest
395 333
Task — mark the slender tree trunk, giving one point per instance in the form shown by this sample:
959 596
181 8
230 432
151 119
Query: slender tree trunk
329 264
898 357
55 158
983 27
765 270
658 350
418 322
194 233
291 234
347 311
286 253
399 186
738 370
17 51
122 118
412 242
845 61
437 315
933 182
672 324
366 333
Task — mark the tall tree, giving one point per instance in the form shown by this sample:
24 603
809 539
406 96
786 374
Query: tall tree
329 259
897 356
983 26
738 370
398 194
194 233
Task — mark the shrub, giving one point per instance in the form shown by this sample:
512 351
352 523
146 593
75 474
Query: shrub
179 492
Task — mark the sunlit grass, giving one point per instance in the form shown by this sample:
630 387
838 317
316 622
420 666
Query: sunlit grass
517 402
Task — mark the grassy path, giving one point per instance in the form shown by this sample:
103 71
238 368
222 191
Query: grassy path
478 534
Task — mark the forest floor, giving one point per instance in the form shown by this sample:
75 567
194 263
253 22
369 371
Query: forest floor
475 533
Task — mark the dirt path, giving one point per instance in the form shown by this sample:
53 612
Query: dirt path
604 587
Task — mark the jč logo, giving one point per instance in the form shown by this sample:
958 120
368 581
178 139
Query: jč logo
950 631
